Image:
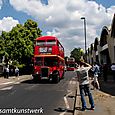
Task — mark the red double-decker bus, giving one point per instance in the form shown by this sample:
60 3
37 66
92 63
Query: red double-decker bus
71 64
48 59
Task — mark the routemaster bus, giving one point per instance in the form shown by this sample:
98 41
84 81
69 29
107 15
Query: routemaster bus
48 59
71 64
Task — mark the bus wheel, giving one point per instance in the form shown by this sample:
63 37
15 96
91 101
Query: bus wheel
56 78
36 79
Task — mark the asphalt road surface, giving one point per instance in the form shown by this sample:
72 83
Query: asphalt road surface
42 98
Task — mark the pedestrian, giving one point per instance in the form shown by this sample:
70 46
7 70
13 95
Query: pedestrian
96 71
105 72
7 71
4 71
16 71
84 84
11 71
113 70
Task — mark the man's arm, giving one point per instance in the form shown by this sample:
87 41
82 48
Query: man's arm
87 65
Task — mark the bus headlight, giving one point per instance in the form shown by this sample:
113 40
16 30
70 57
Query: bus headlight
37 72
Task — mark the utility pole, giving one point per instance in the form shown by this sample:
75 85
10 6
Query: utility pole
83 18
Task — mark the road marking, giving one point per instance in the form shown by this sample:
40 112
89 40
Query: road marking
17 82
68 93
31 87
66 102
62 113
12 93
5 83
72 82
7 88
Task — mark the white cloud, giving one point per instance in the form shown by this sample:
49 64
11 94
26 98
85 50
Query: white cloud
62 18
7 23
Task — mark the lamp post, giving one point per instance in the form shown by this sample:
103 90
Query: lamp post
83 18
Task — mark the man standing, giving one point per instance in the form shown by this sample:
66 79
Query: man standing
7 71
83 78
96 71
16 72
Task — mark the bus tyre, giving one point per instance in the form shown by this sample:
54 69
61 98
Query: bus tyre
35 79
56 78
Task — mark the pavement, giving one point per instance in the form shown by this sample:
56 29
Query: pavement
104 99
4 82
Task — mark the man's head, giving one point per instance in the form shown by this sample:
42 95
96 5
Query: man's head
81 64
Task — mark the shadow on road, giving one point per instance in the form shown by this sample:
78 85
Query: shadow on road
38 82
29 82
63 110
108 87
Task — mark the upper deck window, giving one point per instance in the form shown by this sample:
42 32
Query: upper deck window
51 42
42 42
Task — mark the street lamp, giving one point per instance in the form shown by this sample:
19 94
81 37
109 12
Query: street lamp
83 18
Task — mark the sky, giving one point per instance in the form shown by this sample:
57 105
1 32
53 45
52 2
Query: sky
60 18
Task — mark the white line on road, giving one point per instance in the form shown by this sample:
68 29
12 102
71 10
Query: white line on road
72 81
5 83
17 82
7 88
31 87
62 113
66 102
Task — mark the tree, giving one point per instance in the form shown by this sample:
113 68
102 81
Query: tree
1 46
3 41
77 53
17 45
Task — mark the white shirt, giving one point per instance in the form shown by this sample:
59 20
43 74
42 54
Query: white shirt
113 67
7 69
82 74
16 70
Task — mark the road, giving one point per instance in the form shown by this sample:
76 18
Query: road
52 99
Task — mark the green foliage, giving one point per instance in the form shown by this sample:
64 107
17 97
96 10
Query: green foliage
1 46
17 44
77 53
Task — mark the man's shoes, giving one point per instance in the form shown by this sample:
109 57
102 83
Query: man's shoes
83 109
92 108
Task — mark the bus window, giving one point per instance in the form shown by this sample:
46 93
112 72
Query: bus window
40 42
51 42
50 61
38 61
